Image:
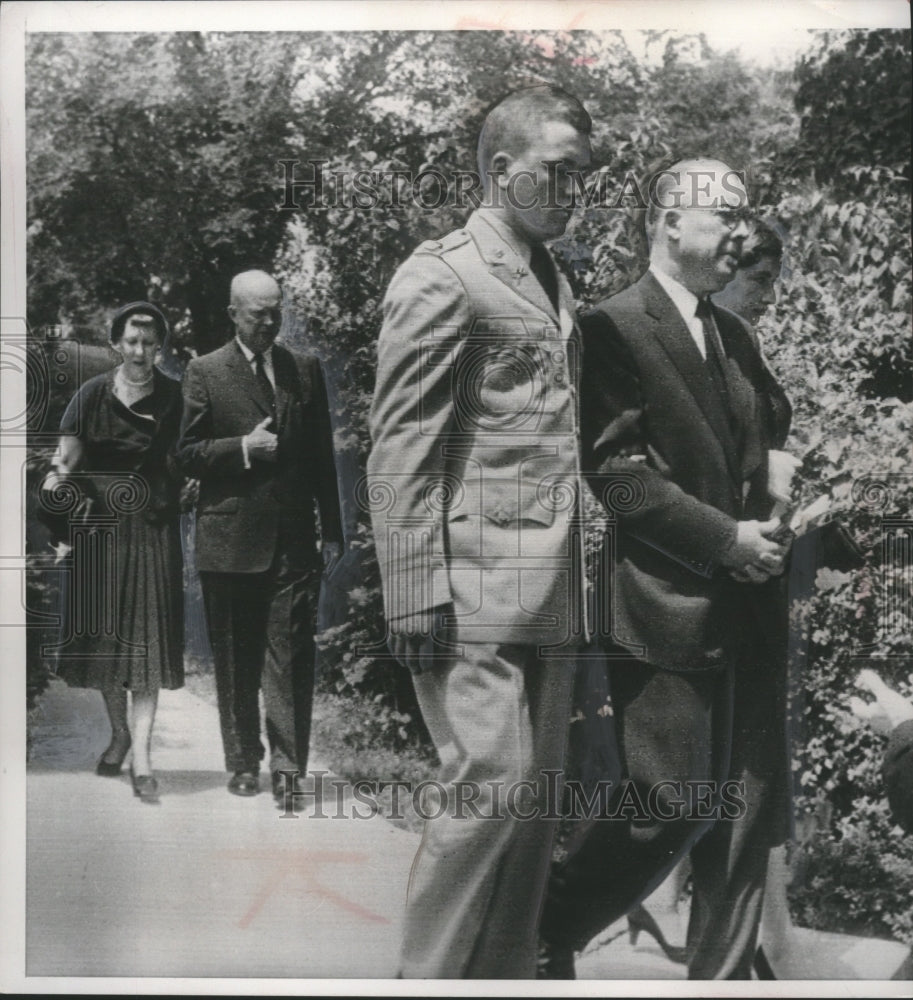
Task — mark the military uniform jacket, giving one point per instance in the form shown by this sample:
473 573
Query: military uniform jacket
473 478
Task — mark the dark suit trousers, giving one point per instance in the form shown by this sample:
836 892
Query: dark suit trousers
681 727
729 864
261 628
672 727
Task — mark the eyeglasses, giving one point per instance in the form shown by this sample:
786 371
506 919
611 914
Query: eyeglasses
731 217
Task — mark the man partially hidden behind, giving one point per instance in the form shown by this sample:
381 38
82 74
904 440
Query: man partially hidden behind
675 392
256 432
474 485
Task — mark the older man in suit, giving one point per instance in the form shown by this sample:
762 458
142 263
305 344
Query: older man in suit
676 394
256 432
474 486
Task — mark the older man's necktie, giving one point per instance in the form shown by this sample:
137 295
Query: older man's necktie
264 382
543 267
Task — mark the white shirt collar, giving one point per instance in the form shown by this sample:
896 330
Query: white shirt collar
249 354
685 301
513 239
268 366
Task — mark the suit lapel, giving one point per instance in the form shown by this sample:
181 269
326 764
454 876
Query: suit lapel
504 263
675 338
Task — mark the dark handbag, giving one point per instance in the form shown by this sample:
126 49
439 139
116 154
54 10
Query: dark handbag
62 502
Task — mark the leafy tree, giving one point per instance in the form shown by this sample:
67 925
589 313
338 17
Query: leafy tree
845 300
708 105
853 96
152 169
396 102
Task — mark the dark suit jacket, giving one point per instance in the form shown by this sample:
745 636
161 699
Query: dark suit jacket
898 774
650 410
242 513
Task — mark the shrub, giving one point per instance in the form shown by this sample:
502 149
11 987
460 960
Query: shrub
839 341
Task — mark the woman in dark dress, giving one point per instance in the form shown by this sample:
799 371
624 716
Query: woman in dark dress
124 616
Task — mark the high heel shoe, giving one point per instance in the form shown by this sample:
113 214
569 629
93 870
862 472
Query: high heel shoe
762 966
108 768
640 919
145 787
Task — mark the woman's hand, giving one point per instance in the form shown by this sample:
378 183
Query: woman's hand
888 710
66 459
190 493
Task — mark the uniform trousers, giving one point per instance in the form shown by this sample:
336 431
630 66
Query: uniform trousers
498 716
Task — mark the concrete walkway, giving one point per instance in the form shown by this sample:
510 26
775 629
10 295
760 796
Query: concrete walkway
204 884
209 884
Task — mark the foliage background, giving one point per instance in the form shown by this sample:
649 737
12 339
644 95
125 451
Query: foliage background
154 172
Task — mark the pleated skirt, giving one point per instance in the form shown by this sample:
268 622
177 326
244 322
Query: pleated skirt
123 620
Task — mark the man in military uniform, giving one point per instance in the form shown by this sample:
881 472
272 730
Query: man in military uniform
474 489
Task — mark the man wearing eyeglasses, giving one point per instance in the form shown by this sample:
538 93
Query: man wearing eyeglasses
673 392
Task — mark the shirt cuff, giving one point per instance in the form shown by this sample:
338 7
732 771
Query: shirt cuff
244 449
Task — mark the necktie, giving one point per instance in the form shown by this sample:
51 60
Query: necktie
713 348
542 266
716 362
263 380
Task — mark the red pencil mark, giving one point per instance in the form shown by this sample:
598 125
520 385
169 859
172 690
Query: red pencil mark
545 44
306 865
260 899
472 24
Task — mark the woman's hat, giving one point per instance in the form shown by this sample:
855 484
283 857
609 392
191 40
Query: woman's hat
119 321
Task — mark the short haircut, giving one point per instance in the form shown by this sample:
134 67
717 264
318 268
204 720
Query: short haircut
665 176
651 180
764 241
510 123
